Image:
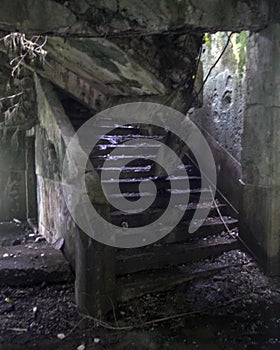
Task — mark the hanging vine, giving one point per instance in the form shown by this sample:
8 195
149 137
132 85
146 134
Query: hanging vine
17 108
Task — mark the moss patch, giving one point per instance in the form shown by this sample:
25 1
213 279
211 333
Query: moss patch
240 50
103 55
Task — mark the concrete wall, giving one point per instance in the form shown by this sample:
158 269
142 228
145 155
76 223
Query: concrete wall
259 217
92 262
12 176
54 220
221 118
17 115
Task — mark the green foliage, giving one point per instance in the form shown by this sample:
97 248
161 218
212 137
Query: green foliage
240 43
207 39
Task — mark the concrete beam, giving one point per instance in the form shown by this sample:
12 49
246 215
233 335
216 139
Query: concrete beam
101 74
103 65
110 18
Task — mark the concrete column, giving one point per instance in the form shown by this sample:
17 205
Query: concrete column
260 204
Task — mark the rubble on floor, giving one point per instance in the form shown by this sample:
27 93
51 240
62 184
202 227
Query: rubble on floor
236 307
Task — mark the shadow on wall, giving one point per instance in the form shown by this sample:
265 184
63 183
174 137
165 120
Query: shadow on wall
228 168
12 178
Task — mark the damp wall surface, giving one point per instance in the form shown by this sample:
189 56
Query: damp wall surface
222 113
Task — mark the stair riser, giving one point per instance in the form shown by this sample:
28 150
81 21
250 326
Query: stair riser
180 233
98 162
134 220
171 257
161 200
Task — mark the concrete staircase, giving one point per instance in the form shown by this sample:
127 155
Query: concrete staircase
157 266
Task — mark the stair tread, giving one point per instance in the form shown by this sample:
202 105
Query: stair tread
208 222
122 138
169 248
128 146
211 226
152 178
123 156
166 193
132 167
158 255
190 206
138 284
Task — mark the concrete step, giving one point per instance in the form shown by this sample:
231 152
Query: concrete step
133 170
132 184
162 198
211 226
110 129
145 217
116 138
141 159
131 286
158 256
106 148
32 264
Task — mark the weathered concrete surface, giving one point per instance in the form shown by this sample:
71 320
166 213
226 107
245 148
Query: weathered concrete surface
101 18
51 134
172 59
100 73
221 118
106 65
228 168
261 144
31 264
225 88
93 262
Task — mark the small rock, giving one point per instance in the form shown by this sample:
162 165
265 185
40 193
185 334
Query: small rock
39 239
61 336
5 255
16 242
35 309
32 325
81 347
59 243
8 300
96 340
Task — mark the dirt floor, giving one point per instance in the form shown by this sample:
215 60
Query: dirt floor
236 308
